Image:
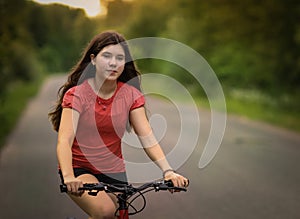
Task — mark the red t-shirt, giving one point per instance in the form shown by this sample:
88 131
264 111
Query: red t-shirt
101 125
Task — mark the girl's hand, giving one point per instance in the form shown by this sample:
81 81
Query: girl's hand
177 179
73 184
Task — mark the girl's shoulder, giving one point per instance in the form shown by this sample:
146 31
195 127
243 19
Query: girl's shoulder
124 87
130 94
80 88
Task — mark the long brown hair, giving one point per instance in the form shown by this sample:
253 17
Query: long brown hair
82 70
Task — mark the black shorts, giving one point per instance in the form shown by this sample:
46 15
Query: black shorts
109 178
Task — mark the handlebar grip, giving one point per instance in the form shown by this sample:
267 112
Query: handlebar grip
63 188
169 184
87 186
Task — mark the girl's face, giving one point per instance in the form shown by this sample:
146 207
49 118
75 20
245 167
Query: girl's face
109 62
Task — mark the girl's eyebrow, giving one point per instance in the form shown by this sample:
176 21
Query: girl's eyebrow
109 53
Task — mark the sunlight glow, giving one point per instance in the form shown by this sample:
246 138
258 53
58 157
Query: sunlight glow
91 7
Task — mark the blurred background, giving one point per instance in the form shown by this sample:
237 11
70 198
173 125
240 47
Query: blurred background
253 47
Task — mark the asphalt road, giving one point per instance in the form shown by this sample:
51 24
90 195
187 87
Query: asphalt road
255 174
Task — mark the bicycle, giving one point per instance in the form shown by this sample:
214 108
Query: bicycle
127 194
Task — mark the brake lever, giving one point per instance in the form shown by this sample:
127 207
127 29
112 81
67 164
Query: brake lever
93 193
168 185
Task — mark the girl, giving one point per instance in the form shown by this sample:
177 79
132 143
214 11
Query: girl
102 97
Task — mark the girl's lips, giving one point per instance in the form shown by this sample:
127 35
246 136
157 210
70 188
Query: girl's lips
112 71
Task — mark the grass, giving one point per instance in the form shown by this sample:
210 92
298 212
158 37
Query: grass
270 113
282 112
13 104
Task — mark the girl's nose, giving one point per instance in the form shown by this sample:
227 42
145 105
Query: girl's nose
113 61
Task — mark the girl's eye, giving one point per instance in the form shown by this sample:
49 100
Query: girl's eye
106 55
120 58
109 56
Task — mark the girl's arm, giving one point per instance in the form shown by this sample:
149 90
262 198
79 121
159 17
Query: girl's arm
66 135
152 148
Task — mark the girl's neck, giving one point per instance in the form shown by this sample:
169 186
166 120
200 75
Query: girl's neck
105 89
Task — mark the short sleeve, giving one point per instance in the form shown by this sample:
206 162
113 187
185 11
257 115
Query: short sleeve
138 99
72 100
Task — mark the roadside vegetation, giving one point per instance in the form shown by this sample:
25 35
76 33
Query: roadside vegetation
16 99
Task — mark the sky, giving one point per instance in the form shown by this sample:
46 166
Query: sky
92 7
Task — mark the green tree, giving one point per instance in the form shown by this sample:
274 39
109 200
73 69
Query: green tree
148 18
249 43
59 33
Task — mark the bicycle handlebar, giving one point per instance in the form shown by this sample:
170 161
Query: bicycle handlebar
94 188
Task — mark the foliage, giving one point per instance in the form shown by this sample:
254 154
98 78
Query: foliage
250 44
35 39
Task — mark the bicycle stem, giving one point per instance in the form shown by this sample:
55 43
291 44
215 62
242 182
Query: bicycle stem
123 207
